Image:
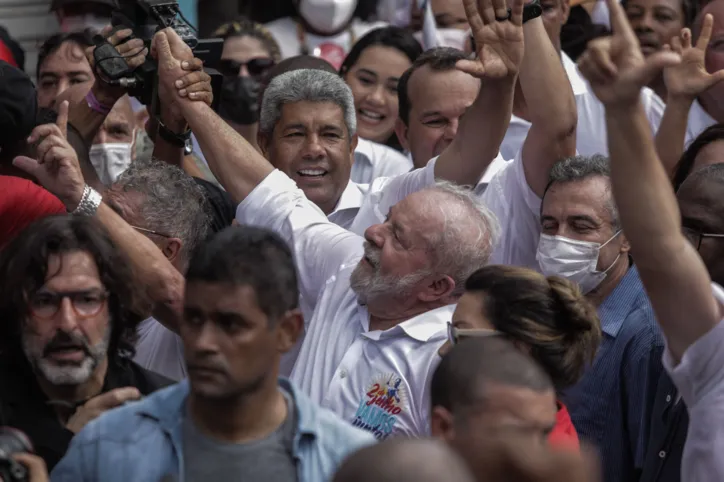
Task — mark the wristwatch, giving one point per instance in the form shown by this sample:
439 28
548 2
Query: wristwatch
178 140
89 202
532 10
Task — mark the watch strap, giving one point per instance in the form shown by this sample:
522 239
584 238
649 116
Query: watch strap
532 10
178 140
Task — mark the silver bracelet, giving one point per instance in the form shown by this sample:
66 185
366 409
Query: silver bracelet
89 202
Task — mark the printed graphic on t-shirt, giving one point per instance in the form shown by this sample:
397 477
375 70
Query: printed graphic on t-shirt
381 406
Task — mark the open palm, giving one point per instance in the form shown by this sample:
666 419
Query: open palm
690 78
499 42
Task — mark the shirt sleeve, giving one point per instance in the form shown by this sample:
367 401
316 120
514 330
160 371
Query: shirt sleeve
654 108
320 247
699 377
385 192
517 209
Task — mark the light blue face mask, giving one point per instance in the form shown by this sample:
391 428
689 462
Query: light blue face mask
572 259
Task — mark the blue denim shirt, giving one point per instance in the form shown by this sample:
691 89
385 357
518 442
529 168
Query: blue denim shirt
611 405
143 441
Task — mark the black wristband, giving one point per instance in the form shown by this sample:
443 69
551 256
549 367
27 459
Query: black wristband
178 140
532 10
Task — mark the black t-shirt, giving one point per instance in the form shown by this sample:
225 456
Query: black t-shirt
23 404
223 210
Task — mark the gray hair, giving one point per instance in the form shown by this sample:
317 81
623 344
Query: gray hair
578 168
470 232
310 85
174 204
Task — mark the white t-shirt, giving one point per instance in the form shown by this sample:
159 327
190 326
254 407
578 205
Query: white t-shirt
591 131
285 31
375 379
699 377
373 160
160 350
699 121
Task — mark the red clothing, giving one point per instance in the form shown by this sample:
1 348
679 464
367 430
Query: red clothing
21 203
564 434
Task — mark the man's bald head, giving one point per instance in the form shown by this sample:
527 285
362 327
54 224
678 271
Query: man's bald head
404 460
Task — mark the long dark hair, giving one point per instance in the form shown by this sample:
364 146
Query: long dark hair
393 37
24 270
688 158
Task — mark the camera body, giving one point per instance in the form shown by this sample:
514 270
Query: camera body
145 18
13 441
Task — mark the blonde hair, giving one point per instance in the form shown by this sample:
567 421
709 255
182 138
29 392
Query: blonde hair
243 27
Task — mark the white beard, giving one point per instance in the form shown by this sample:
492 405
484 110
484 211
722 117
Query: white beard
71 374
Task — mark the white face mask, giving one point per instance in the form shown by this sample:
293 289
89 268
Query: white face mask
78 23
110 160
453 37
327 16
571 259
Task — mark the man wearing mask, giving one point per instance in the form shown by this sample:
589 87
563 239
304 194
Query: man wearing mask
78 15
113 148
324 28
581 240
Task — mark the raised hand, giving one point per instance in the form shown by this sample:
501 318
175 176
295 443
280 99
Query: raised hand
134 51
690 78
96 406
615 67
498 38
56 165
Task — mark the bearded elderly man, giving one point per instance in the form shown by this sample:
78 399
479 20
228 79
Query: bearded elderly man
378 305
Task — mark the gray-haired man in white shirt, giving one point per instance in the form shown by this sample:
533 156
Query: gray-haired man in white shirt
378 309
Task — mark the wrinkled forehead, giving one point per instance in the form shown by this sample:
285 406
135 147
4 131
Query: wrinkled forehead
700 200
590 196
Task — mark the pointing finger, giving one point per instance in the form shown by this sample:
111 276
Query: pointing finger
619 23
62 121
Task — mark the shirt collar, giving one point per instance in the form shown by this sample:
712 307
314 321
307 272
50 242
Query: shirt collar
617 305
421 327
699 120
578 83
351 197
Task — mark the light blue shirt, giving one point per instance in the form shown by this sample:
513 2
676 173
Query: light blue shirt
142 441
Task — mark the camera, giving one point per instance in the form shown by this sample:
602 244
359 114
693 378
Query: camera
145 18
13 441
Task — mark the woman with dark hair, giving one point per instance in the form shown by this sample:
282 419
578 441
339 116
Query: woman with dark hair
549 318
655 23
706 149
249 52
67 332
372 69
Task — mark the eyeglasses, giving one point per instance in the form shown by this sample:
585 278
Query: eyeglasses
455 335
150 231
86 304
695 236
256 67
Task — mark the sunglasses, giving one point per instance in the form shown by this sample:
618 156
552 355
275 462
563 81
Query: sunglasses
455 335
256 67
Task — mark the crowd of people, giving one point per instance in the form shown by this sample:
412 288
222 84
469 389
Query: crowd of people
432 248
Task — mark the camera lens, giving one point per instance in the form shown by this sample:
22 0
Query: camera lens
13 441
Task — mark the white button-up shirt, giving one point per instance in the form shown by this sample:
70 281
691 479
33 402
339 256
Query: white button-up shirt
699 377
374 379
373 160
591 130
